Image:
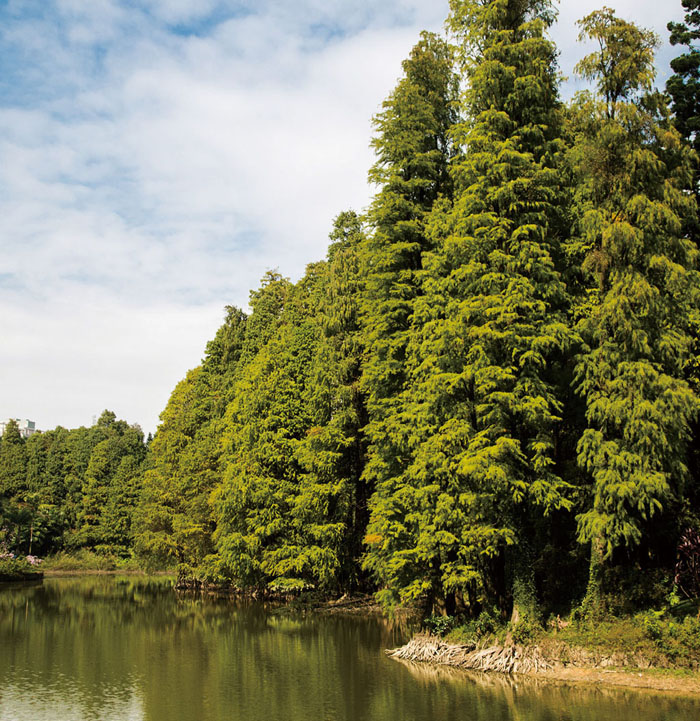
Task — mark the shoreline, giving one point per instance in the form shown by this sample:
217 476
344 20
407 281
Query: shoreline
449 656
57 573
645 679
531 663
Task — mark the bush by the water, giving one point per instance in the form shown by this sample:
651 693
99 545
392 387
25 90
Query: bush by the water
439 625
16 569
487 623
667 637
84 559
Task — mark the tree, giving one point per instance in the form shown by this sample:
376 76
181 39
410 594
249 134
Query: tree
414 147
175 520
108 492
13 461
259 538
15 521
684 85
490 327
624 65
630 212
331 504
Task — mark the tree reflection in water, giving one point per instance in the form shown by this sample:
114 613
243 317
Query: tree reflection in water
130 648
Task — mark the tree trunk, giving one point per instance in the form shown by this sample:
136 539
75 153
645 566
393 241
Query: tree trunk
593 602
525 606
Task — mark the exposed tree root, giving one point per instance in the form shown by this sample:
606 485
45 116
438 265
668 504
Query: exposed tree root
505 659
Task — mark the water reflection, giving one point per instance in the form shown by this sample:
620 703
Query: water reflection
109 648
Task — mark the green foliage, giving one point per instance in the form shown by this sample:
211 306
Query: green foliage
624 65
81 559
111 486
259 540
17 569
174 518
72 488
414 147
477 425
332 501
13 461
629 214
439 625
659 637
684 85
487 624
526 632
492 373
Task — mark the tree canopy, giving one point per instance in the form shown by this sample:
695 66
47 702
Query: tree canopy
484 397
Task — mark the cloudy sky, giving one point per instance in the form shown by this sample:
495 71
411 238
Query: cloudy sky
158 156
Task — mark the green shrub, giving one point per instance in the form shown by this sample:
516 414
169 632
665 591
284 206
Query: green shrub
652 624
16 568
439 625
487 623
80 560
526 631
675 640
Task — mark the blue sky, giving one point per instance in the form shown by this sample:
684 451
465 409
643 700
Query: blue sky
158 156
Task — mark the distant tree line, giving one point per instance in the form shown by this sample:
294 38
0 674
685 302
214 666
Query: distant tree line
63 490
487 394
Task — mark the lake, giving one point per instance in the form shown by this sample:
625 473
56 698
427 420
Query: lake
129 648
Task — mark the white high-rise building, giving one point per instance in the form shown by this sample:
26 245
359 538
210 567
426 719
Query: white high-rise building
26 427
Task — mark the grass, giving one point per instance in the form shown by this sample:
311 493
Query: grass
658 636
88 561
665 639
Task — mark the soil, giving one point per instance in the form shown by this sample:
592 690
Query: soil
542 663
686 685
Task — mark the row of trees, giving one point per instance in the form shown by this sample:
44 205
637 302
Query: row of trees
487 393
70 489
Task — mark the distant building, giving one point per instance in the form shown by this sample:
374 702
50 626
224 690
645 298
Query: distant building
26 428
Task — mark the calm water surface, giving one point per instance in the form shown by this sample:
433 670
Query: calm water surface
125 649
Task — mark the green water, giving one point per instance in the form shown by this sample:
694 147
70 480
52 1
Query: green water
125 649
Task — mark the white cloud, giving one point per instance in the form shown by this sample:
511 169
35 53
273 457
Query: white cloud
69 360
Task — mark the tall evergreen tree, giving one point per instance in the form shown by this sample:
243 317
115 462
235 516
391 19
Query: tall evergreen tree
684 85
15 517
414 147
331 505
13 461
109 487
175 520
486 401
631 210
259 539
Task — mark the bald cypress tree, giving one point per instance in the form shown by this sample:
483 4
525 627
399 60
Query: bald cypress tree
684 85
414 147
174 520
490 328
331 506
13 461
260 541
14 516
631 210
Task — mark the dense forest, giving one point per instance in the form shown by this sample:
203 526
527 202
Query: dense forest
70 489
486 396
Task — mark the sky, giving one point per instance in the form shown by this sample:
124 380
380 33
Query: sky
157 157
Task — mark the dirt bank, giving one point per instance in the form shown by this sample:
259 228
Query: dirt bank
553 662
